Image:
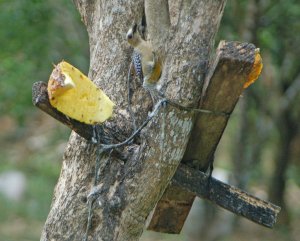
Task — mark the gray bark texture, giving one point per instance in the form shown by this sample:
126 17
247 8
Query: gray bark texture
133 179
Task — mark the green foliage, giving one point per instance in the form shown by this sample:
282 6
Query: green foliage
41 165
276 29
33 35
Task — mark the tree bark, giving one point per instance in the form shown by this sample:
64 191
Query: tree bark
132 179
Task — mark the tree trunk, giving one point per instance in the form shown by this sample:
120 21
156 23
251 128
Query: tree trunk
287 131
132 179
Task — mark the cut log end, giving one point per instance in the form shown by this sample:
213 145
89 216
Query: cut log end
40 99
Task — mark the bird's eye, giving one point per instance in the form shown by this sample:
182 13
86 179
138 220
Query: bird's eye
129 36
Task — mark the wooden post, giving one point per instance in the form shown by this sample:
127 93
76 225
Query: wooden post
222 89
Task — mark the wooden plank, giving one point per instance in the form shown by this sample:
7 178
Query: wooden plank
166 221
222 89
226 196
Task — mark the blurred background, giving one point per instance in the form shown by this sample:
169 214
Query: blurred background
259 152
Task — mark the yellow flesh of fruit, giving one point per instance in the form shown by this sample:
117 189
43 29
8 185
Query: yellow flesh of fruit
255 71
75 95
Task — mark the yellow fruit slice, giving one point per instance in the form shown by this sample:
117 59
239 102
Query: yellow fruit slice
256 69
75 95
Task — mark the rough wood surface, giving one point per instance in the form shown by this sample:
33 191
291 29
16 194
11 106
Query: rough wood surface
223 87
128 191
191 180
226 196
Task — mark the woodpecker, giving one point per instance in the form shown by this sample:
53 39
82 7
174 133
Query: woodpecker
146 63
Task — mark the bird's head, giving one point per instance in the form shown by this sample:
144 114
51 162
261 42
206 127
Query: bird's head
133 35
